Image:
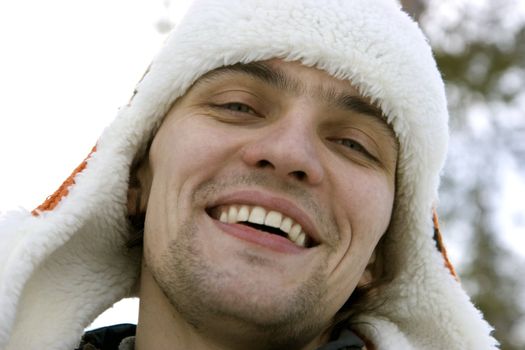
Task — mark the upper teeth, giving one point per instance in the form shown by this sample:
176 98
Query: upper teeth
259 215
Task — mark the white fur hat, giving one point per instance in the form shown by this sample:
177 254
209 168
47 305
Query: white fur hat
65 263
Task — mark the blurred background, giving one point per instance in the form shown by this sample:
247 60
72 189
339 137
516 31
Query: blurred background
67 65
480 49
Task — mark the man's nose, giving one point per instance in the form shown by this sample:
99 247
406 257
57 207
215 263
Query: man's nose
289 149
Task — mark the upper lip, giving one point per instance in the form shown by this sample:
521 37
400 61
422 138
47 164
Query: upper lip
271 202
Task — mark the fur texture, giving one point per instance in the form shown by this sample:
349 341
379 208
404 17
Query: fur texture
63 267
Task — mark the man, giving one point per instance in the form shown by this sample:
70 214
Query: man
269 186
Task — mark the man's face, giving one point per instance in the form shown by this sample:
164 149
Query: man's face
271 186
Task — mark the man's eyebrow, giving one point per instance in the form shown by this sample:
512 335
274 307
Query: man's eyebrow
260 71
353 103
280 80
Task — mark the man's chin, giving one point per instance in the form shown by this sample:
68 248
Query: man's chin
263 301
279 318
246 290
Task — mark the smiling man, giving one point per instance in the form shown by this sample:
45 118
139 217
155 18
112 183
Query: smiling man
262 238
270 185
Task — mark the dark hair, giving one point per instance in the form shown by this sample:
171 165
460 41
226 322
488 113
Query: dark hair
136 237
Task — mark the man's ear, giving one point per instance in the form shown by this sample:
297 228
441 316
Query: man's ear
139 187
373 270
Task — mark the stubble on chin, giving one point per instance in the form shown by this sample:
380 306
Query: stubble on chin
201 292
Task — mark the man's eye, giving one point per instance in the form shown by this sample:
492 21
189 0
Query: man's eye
354 145
238 107
351 144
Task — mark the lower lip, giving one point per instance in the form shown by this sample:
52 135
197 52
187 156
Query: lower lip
267 240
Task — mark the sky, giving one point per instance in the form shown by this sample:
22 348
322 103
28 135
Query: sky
66 67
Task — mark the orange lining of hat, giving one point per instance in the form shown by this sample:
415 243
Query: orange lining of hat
441 246
52 201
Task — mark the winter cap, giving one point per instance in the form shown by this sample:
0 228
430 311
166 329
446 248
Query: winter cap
65 263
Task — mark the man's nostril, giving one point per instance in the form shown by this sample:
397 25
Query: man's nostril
299 175
264 164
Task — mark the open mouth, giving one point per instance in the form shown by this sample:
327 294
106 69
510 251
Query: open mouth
261 219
